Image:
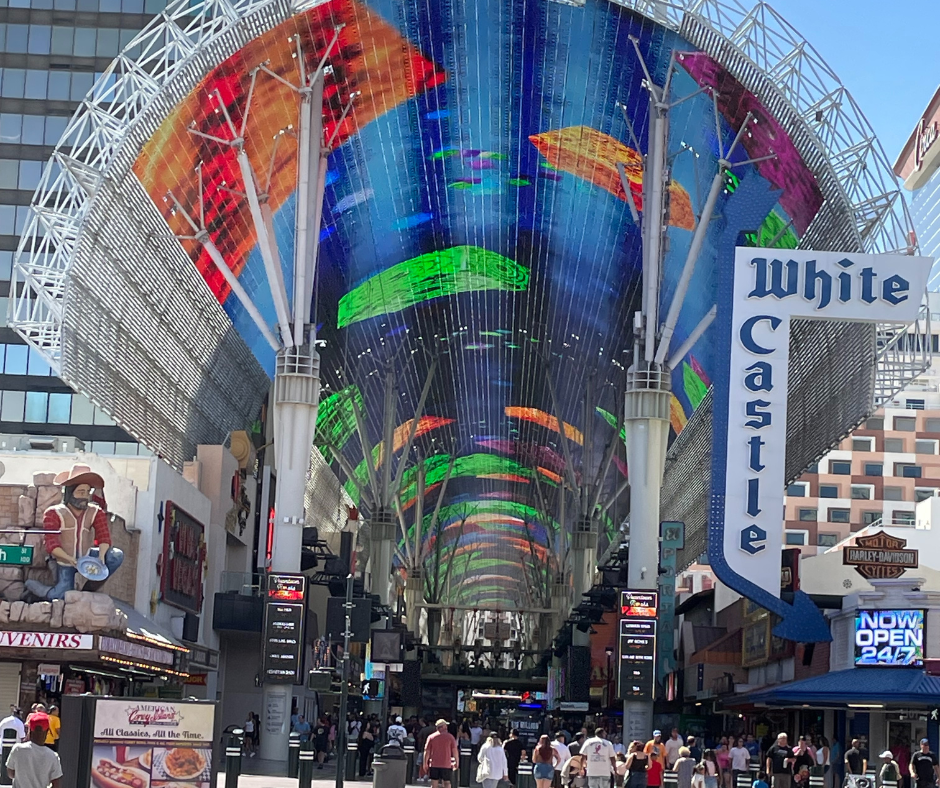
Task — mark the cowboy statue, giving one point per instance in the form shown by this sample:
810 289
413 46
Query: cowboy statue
66 524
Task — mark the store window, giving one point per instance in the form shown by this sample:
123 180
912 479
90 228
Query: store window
828 491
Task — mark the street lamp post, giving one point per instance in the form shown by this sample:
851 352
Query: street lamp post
610 675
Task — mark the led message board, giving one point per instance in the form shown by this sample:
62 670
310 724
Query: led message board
889 637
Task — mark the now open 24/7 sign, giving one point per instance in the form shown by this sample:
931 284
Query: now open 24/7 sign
768 287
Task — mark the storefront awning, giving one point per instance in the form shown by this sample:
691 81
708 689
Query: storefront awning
141 628
907 687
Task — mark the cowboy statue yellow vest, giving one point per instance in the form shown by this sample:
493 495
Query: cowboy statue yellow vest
70 532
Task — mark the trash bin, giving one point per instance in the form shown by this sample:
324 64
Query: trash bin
389 766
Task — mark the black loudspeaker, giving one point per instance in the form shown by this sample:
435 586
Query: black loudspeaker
336 619
809 649
191 628
411 680
579 674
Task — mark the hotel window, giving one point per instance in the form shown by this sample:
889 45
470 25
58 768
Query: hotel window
863 444
796 538
828 491
914 404
814 468
905 423
923 493
902 518
877 423
840 515
862 492
827 540
925 446
797 489
932 425
870 518
907 470
894 445
840 467
873 469
893 494
808 515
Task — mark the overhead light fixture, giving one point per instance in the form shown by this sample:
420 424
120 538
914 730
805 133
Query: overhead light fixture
865 705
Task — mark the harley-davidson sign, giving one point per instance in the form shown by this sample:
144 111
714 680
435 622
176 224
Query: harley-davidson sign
880 556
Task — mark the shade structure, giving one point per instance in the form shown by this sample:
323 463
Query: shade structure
474 222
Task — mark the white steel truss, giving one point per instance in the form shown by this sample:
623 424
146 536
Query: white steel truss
863 208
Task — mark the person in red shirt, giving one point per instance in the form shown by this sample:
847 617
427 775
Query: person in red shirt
440 755
65 524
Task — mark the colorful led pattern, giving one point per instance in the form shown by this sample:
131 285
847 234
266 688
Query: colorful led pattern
474 223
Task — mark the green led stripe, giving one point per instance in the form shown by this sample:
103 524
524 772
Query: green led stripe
695 388
611 419
335 421
772 227
460 269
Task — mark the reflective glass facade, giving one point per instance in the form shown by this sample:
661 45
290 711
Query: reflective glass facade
51 53
925 213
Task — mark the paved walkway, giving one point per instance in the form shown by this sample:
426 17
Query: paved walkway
273 774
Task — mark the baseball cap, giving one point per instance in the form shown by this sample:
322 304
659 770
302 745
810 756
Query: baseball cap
439 723
925 741
38 719
657 733
398 719
887 754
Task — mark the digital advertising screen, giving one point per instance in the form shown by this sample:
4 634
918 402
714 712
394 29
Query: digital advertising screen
889 638
637 658
639 603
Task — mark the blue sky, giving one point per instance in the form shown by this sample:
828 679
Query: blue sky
885 53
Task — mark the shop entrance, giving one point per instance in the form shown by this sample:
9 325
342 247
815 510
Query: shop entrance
903 738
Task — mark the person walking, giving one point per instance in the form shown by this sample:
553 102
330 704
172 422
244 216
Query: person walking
31 764
440 755
321 741
638 763
740 762
924 770
684 768
513 749
889 772
364 747
780 763
673 744
544 758
656 749
855 763
15 723
249 727
564 754
601 760
713 775
397 732
493 765
302 727
55 726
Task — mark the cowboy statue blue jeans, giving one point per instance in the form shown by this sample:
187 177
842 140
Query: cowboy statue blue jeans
64 576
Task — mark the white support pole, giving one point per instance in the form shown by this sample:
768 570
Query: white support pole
653 213
685 278
272 265
310 141
694 337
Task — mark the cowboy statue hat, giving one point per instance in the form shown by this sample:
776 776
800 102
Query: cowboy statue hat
79 474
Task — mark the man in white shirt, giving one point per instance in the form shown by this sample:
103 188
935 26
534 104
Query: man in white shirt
15 723
673 743
740 761
600 757
475 733
31 764
564 755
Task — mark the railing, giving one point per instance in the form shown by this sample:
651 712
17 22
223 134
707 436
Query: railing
243 583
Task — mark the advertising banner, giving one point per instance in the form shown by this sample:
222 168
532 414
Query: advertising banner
284 613
749 443
889 637
141 743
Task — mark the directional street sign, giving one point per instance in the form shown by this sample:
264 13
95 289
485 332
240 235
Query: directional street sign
17 555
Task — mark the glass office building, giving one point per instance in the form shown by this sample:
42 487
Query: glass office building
51 53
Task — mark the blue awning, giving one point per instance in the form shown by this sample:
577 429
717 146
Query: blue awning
886 686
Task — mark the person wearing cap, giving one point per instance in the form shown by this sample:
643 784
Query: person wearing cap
924 768
440 755
889 772
15 723
564 755
396 732
31 764
656 749
65 524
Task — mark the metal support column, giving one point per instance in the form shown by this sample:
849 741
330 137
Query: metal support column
384 531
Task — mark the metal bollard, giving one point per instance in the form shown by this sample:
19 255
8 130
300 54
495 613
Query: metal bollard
409 750
233 757
465 751
293 755
745 780
352 759
305 758
9 739
817 781
525 778
670 779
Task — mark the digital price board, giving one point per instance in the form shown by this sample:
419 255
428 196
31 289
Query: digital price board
889 638
642 604
284 614
637 675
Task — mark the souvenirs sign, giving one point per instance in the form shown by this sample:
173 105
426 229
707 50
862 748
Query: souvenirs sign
880 556
745 534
